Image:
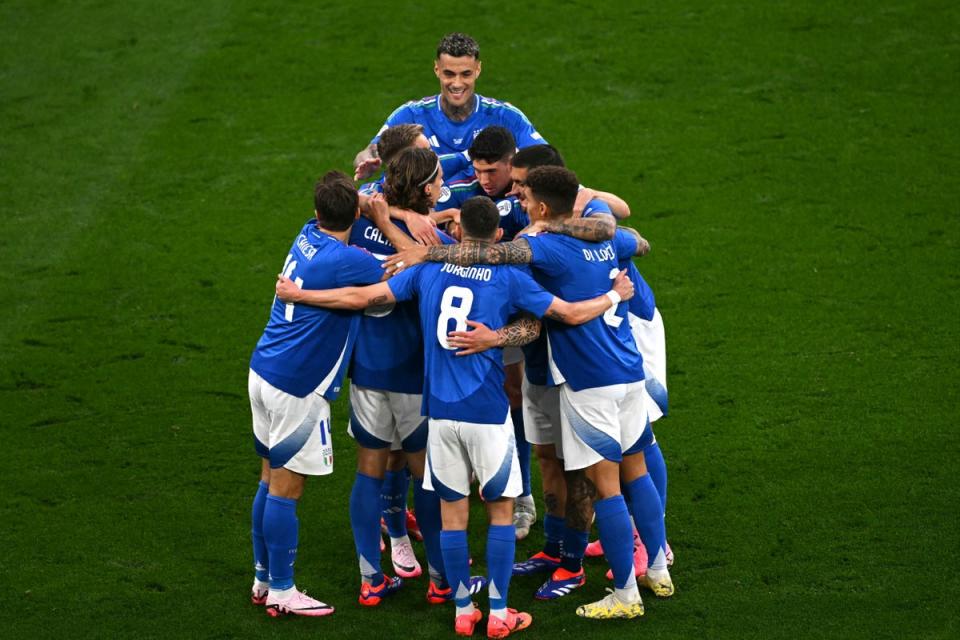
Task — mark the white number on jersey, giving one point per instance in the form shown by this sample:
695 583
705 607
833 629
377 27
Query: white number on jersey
288 267
449 311
610 315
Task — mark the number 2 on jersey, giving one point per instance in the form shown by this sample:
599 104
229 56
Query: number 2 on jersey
456 312
610 315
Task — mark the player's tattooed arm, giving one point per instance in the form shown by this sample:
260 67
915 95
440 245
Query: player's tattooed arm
343 298
593 229
581 493
643 247
521 331
586 310
470 253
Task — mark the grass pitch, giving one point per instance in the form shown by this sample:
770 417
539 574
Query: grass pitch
793 164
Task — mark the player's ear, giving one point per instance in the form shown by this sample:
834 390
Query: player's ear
356 214
316 215
479 67
436 69
498 235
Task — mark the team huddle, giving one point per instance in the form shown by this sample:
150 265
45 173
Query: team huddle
485 304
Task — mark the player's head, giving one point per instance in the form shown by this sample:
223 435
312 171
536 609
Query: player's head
414 178
397 138
538 155
480 219
457 67
490 153
551 192
335 201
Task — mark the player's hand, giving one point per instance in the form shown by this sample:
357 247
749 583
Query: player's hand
623 285
287 291
366 169
379 209
400 261
422 228
584 196
480 339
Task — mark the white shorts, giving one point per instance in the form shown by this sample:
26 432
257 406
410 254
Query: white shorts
457 449
541 415
380 419
652 345
512 355
293 433
603 423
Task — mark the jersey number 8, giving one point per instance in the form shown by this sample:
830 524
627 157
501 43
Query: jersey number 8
456 312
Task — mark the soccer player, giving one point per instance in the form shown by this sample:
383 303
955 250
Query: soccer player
599 370
490 156
296 369
470 430
452 118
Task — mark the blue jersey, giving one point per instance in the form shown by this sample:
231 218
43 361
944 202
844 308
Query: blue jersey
306 349
642 303
601 352
447 136
466 388
389 350
513 218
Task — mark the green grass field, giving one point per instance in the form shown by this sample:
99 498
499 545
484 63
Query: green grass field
794 164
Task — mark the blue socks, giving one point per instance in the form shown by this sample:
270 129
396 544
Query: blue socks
427 506
261 561
657 469
553 528
280 529
574 545
501 545
647 513
456 558
616 536
365 522
523 450
393 498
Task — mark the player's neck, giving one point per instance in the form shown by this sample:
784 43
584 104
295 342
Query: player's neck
455 113
468 241
342 236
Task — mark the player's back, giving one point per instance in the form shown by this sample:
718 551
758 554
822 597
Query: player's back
467 388
600 352
305 348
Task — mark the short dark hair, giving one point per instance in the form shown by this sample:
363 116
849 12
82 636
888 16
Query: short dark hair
479 217
493 144
556 186
395 139
538 155
407 176
458 45
335 200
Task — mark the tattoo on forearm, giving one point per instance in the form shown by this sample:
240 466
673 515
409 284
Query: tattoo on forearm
553 314
595 228
377 300
469 253
519 332
581 493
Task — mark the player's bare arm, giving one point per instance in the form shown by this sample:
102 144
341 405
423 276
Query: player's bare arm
464 254
643 246
618 205
352 298
366 162
593 229
521 331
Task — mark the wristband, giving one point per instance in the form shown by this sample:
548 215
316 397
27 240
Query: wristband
615 298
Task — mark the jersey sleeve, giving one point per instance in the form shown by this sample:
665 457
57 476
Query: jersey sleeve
358 267
625 244
403 286
596 206
520 126
527 295
444 238
544 254
401 115
454 163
